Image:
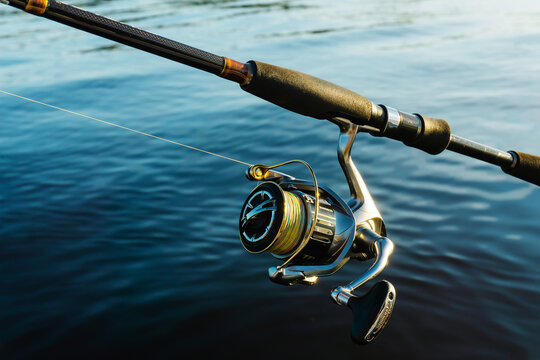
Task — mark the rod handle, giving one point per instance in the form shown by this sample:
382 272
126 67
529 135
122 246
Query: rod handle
306 94
527 167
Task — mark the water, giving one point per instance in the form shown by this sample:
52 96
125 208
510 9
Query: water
114 244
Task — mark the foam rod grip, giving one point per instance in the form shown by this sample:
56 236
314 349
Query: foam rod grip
306 95
527 167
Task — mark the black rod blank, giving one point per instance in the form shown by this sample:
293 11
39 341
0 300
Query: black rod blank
122 33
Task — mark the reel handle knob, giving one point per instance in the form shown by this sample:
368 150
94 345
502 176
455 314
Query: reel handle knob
371 311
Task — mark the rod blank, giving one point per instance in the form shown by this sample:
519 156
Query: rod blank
122 33
481 152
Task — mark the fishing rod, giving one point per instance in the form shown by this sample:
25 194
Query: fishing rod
312 230
295 91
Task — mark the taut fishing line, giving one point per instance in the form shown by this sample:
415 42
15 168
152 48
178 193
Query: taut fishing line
126 128
294 228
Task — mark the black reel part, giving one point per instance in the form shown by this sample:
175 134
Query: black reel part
261 217
371 312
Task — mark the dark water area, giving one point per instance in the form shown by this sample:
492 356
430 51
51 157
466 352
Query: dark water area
114 244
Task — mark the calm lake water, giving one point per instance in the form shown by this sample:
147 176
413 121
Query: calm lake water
113 244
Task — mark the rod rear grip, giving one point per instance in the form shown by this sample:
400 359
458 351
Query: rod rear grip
527 167
306 94
434 137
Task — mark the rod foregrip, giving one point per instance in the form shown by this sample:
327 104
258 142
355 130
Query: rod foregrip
306 94
527 167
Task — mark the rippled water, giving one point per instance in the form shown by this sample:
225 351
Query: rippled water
114 244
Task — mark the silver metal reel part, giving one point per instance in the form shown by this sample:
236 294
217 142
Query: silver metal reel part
340 231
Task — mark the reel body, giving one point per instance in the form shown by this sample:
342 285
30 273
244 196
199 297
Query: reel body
314 232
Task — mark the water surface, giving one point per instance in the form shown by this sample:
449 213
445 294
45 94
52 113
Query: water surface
114 244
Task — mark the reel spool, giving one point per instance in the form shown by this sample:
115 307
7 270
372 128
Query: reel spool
278 220
314 233
305 228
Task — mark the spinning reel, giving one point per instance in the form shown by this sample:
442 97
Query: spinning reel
314 232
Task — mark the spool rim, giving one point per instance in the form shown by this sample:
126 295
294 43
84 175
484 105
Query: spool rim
279 212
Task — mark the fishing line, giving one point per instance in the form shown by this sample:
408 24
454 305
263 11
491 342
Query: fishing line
294 232
126 128
292 237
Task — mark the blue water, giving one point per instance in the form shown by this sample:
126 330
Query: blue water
113 244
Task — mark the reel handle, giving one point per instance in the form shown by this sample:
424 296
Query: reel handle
371 312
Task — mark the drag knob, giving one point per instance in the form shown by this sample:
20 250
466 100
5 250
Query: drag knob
371 312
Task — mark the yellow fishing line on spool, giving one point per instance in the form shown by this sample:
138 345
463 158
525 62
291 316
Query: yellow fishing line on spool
292 227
